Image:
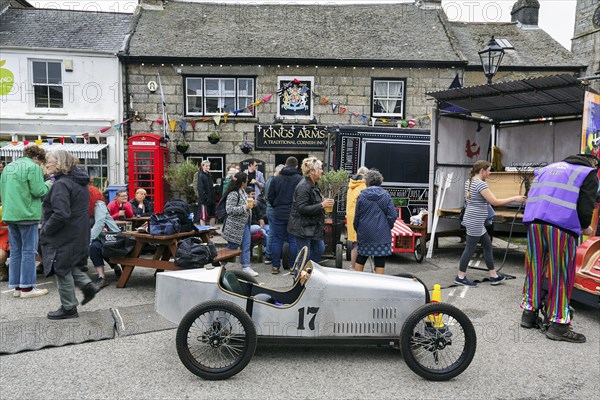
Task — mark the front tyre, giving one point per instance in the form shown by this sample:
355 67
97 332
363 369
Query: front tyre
216 340
438 341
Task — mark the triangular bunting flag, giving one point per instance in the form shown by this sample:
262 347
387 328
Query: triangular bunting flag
217 119
38 142
373 120
50 141
364 119
74 138
404 123
117 128
411 123
183 124
225 116
25 143
257 102
324 100
236 112
160 121
333 107
172 125
342 110
250 108
104 129
384 120
86 137
193 123
296 80
97 137
267 98
205 119
356 114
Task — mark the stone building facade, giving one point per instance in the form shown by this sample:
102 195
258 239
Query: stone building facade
586 38
411 43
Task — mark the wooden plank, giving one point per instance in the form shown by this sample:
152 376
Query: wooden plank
146 262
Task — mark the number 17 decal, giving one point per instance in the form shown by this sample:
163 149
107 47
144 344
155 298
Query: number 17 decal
309 311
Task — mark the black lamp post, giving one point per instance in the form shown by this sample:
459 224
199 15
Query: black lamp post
491 57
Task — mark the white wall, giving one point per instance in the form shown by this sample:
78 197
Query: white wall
92 100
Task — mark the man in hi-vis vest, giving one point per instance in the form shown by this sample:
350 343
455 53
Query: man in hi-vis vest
558 211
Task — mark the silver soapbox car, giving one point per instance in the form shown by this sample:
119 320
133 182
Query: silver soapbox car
222 313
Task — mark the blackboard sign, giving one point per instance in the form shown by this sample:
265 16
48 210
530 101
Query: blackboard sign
290 136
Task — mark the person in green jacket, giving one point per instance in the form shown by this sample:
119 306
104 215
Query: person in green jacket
22 188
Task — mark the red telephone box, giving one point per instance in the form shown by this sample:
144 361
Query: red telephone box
148 159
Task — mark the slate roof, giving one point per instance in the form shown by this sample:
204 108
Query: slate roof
62 29
532 47
307 32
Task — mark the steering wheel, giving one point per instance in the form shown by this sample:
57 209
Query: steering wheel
300 264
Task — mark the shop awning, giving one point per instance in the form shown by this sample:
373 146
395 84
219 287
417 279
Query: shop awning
76 149
543 97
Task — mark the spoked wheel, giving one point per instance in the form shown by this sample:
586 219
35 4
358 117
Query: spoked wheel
438 341
216 340
419 253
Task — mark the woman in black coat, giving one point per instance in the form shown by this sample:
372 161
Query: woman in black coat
206 195
65 233
307 218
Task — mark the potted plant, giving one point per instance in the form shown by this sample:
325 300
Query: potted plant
334 183
214 137
180 178
246 146
182 146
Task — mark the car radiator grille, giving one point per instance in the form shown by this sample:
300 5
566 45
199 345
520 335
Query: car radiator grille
371 327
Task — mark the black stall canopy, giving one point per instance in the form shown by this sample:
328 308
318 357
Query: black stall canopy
542 97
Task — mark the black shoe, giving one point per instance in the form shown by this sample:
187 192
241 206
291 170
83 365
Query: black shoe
101 282
63 313
528 319
89 291
117 268
564 332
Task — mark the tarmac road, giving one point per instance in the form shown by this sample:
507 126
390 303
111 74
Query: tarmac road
510 362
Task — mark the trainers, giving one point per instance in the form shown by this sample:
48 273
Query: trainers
63 313
274 271
117 268
268 261
464 281
497 279
250 271
16 293
564 332
35 292
101 282
528 319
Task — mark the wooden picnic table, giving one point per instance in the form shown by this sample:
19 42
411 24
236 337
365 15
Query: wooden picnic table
166 247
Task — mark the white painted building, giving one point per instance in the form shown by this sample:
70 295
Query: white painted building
66 86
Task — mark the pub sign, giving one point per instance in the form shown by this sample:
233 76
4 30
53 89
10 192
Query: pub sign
290 136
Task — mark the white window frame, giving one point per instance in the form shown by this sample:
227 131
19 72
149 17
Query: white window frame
387 97
221 94
47 85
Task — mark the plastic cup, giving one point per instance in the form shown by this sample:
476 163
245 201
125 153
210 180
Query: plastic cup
329 209
128 226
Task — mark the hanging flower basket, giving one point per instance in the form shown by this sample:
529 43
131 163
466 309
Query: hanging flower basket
182 148
213 140
246 147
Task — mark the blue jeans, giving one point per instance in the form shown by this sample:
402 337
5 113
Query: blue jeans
23 241
279 234
315 247
245 257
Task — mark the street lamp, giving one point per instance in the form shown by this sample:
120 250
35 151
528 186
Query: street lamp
491 57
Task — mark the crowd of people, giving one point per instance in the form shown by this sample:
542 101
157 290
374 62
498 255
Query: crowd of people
289 208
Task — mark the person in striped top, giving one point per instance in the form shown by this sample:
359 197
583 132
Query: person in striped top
477 198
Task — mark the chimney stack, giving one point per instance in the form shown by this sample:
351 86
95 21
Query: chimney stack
525 12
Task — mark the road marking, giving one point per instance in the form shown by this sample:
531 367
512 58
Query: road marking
463 292
39 284
120 322
451 293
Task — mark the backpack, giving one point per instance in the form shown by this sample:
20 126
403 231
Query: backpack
181 210
194 253
221 211
163 224
115 244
